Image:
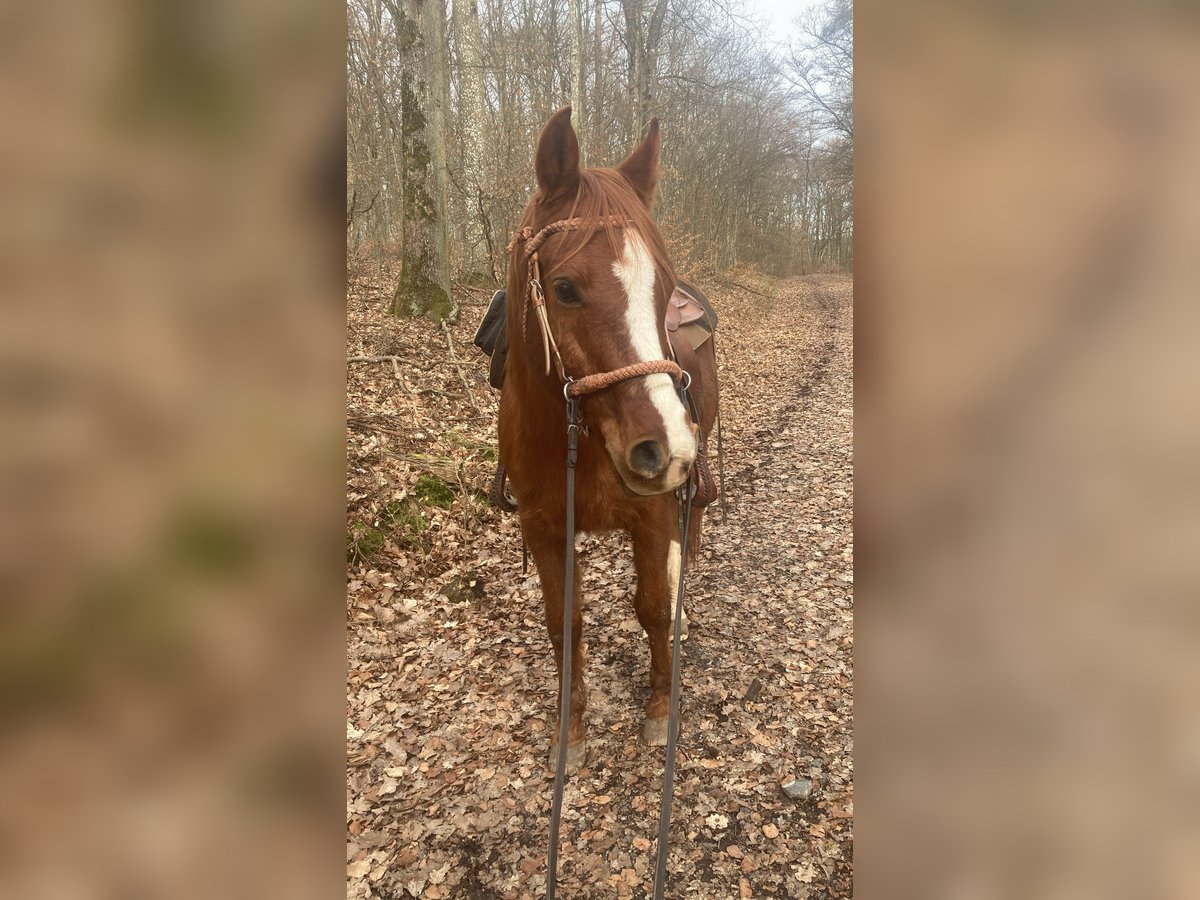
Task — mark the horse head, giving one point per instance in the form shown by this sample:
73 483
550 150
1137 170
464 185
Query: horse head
606 280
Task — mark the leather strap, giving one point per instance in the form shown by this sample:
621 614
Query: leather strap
564 702
564 698
664 813
497 495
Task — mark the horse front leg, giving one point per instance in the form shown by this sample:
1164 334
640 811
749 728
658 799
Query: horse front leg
549 553
656 557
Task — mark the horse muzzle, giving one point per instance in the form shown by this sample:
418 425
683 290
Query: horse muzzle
649 467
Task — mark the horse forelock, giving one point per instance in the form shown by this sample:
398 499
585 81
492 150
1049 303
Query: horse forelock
604 196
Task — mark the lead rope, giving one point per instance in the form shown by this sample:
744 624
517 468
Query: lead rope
564 698
571 390
683 497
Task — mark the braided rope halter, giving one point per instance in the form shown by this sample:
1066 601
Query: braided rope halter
573 390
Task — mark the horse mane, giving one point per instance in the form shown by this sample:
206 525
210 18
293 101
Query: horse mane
603 195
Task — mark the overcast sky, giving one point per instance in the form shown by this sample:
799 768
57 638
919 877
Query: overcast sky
778 15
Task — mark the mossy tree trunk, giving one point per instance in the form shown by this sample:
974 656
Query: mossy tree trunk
423 288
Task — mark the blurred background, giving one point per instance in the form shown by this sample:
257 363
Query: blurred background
1027 440
172 474
171 451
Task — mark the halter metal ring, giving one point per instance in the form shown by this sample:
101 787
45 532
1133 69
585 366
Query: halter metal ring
686 380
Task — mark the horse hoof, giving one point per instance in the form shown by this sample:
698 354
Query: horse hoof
654 732
576 757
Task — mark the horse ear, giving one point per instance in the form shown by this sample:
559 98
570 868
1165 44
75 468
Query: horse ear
641 168
557 162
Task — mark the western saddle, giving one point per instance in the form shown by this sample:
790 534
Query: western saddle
690 315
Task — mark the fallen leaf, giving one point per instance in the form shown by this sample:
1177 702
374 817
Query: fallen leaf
478 699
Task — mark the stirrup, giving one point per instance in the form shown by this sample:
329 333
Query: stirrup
498 495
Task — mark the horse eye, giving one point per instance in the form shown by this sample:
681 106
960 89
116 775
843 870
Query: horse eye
565 291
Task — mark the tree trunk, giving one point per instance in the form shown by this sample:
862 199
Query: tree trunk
650 66
474 127
424 285
637 60
598 79
643 40
578 108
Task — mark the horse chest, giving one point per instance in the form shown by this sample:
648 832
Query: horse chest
601 503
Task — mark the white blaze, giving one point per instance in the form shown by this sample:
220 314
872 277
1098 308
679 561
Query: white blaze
673 569
635 270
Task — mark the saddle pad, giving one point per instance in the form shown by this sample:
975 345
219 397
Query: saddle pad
492 338
490 332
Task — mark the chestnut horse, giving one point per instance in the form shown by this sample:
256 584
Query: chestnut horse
602 276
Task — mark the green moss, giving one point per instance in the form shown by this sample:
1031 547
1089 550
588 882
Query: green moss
404 520
418 292
364 543
434 492
417 296
439 305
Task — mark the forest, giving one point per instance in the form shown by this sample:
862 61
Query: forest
445 99
451 681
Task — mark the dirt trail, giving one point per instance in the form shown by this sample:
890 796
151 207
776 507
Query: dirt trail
451 686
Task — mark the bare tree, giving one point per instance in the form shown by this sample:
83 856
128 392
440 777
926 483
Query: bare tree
579 107
473 128
821 67
424 284
758 155
642 37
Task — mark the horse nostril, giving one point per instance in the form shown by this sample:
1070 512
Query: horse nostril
647 458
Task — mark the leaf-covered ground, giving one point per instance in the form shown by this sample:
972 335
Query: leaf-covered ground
451 687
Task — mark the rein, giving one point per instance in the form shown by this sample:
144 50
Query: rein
573 390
